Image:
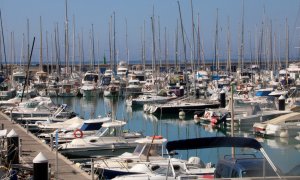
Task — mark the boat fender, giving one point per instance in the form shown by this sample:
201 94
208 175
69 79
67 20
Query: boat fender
207 114
78 133
156 137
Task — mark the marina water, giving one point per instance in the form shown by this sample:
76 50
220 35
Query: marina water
284 152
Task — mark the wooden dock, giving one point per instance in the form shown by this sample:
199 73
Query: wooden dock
31 146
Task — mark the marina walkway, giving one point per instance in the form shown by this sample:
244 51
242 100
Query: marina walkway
31 146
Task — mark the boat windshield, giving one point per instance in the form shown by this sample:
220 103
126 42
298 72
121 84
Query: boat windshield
19 79
108 132
91 77
144 149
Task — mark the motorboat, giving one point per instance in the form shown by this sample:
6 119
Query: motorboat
85 128
67 89
7 91
134 87
287 125
234 165
113 89
159 98
110 140
156 165
89 86
38 106
32 123
148 149
174 106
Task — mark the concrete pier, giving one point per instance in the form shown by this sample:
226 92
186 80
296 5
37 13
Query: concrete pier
32 146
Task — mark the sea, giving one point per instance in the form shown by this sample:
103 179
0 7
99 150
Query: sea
284 152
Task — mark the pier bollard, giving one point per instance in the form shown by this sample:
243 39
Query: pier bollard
20 147
197 92
281 103
181 91
27 130
222 99
2 126
51 141
12 147
92 169
40 167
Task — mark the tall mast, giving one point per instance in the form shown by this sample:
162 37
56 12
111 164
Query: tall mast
153 46
193 32
80 52
110 44
159 44
93 48
47 53
144 45
166 49
73 62
127 50
66 40
41 45
176 48
3 43
57 49
229 48
216 43
242 39
114 38
287 48
182 34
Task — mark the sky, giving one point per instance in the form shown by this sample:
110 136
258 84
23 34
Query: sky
267 16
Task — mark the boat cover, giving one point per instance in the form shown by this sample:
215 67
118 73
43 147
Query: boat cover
213 142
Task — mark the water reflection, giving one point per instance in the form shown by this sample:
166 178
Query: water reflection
285 152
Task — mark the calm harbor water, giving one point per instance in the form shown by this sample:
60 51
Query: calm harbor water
284 152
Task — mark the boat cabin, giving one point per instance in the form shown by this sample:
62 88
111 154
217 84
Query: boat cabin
111 129
149 146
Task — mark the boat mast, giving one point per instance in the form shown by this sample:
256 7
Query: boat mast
144 46
216 44
127 50
93 48
159 45
114 40
153 46
287 50
73 62
182 34
66 40
57 49
228 47
166 50
194 43
3 43
176 48
41 45
47 53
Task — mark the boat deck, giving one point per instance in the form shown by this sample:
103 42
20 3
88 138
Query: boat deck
31 146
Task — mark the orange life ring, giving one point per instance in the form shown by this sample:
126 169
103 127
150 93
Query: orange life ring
78 135
207 114
156 137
